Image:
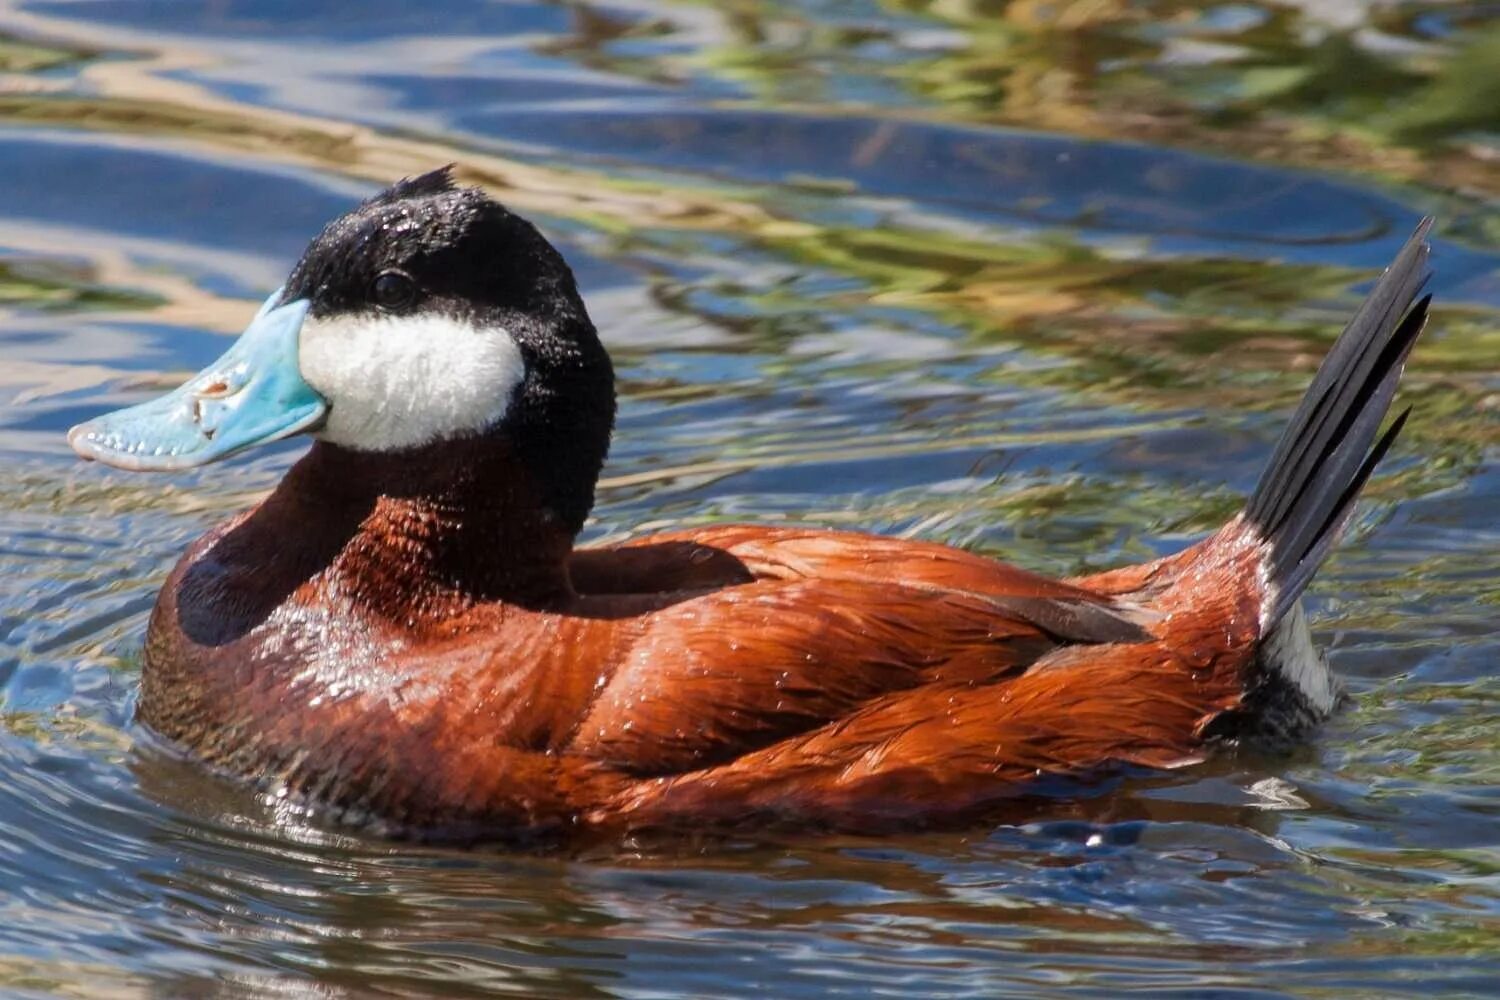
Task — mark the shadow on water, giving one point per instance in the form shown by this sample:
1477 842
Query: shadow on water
1034 279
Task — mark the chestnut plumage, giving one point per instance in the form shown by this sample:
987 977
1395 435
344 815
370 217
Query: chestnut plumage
405 632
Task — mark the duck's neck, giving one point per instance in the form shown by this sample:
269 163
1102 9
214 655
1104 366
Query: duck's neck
427 532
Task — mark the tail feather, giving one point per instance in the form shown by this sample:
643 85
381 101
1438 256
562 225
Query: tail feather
1333 442
1297 580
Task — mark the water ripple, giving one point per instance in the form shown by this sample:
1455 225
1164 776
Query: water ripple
902 267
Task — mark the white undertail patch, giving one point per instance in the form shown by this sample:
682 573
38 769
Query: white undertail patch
402 381
1288 650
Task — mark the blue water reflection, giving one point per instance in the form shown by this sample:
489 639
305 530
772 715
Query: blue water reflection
836 293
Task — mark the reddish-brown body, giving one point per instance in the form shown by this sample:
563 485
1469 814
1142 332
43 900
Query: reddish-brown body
441 661
404 630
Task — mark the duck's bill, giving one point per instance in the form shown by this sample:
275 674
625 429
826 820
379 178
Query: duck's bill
252 395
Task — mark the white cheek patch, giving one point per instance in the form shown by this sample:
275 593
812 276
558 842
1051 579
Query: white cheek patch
402 381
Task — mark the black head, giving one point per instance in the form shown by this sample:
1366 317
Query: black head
436 314
425 244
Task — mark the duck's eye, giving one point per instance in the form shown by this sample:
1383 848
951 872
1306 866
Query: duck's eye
393 290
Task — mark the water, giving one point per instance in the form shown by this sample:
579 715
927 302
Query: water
1037 279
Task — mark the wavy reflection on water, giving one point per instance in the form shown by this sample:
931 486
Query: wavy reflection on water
1036 280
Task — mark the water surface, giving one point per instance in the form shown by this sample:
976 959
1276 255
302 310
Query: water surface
1041 280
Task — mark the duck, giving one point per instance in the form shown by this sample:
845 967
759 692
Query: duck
405 633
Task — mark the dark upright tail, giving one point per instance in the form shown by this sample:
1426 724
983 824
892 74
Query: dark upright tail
1330 447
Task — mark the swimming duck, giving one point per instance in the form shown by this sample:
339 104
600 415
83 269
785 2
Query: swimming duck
404 632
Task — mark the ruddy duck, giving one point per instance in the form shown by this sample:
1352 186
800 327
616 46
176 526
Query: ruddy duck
404 631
